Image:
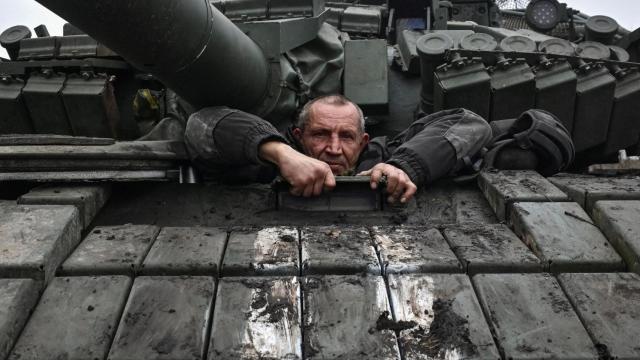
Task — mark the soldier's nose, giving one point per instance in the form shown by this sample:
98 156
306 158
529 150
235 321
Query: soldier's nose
334 146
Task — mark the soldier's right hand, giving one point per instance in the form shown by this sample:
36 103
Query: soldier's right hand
307 176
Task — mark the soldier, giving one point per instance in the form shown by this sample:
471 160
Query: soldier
329 139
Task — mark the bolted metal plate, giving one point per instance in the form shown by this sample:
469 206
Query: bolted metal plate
532 317
36 239
75 319
618 220
491 249
337 251
186 251
165 318
438 316
111 250
503 188
564 237
257 318
607 306
586 190
18 297
270 251
340 315
414 250
88 199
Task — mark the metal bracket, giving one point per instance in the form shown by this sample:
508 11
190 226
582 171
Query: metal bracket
352 193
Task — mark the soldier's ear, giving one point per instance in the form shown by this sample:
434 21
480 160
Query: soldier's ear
297 133
364 141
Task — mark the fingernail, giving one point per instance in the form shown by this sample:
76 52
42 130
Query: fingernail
374 186
403 200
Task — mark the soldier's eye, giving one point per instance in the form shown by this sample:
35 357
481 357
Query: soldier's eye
347 136
319 135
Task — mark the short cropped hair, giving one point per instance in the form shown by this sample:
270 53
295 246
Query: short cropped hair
339 100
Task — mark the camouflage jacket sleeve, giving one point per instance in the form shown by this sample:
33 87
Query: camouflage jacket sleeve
224 142
439 145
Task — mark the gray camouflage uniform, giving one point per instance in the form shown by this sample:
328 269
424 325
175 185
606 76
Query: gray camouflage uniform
224 143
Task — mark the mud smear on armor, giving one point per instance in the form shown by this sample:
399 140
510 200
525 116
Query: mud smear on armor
273 308
331 241
448 332
535 188
386 323
287 238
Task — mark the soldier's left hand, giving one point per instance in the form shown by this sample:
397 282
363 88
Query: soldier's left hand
399 185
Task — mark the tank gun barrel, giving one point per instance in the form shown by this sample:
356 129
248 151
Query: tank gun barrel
187 44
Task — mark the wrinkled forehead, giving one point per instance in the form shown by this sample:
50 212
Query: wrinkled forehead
330 115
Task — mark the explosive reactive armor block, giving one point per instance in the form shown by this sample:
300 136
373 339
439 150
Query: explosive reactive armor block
594 100
624 128
42 97
556 90
15 118
513 89
464 83
91 105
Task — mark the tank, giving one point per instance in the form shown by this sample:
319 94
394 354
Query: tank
113 246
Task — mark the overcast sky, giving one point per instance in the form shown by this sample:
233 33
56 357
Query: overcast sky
32 14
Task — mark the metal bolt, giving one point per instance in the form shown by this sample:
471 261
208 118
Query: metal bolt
545 62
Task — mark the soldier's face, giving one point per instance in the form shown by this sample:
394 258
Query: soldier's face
333 135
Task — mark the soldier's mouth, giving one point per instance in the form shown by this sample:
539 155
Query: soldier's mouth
336 167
